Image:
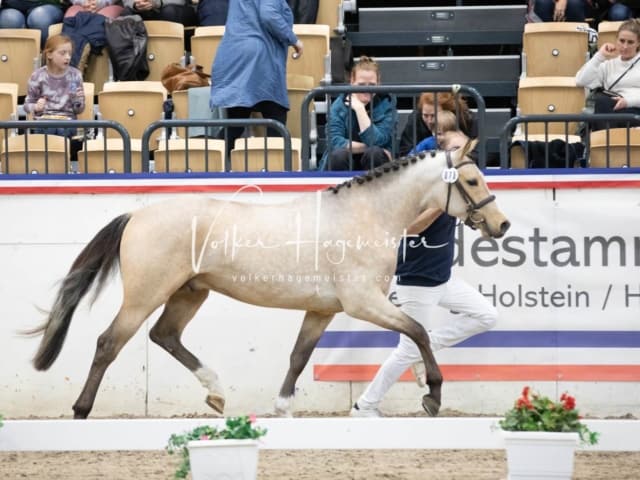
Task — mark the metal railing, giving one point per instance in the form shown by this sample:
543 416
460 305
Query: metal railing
507 134
88 129
171 125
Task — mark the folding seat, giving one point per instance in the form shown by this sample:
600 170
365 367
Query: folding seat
550 95
106 155
8 105
616 147
19 56
35 153
190 155
298 86
133 104
165 46
608 32
554 48
254 154
315 60
204 45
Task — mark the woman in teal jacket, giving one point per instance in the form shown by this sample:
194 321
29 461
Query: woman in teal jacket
360 127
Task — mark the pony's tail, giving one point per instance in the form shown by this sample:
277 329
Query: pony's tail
97 259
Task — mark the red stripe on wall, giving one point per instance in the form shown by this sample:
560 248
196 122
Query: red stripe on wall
495 373
34 189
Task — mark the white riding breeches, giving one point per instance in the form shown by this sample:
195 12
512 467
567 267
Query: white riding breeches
469 313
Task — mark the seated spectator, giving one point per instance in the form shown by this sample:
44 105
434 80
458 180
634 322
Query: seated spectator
446 123
179 11
618 11
212 12
360 128
613 68
421 123
558 10
106 8
38 14
55 91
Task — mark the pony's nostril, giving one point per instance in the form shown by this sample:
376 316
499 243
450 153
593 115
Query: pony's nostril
504 226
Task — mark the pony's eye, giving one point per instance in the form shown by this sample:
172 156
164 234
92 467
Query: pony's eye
472 182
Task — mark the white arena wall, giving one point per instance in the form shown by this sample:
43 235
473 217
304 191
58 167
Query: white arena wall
569 313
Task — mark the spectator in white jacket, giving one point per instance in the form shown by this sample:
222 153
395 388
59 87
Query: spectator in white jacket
615 68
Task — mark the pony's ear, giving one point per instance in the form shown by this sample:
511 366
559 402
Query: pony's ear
471 144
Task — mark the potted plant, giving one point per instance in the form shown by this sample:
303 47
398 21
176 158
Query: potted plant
209 452
541 435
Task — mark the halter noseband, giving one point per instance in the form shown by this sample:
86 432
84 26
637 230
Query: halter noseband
474 218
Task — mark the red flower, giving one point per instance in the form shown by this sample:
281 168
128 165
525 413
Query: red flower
253 418
568 402
525 392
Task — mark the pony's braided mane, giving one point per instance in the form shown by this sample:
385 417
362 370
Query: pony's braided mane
392 166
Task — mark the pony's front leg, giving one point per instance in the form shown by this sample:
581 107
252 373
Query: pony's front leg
313 325
380 311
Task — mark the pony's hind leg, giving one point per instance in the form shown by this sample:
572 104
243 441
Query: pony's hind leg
313 325
178 312
110 342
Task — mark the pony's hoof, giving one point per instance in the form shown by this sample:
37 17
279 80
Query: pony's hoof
216 402
283 407
430 406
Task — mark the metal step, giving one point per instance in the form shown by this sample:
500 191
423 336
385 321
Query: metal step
491 75
486 25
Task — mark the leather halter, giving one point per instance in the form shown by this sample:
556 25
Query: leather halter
474 217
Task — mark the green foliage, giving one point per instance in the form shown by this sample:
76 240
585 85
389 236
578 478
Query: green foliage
534 413
236 428
1 418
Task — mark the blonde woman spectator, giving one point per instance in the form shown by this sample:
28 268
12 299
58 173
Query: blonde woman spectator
615 69
106 8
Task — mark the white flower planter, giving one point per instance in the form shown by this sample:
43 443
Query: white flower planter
540 455
223 459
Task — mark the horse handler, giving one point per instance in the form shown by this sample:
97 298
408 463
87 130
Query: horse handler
423 280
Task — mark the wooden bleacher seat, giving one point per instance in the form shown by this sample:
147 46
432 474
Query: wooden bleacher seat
35 153
315 59
165 46
550 95
616 145
554 48
204 45
8 105
330 13
298 86
89 94
19 56
180 108
133 104
98 69
107 156
608 32
255 154
205 155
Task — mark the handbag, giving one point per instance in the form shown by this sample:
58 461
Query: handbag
176 77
